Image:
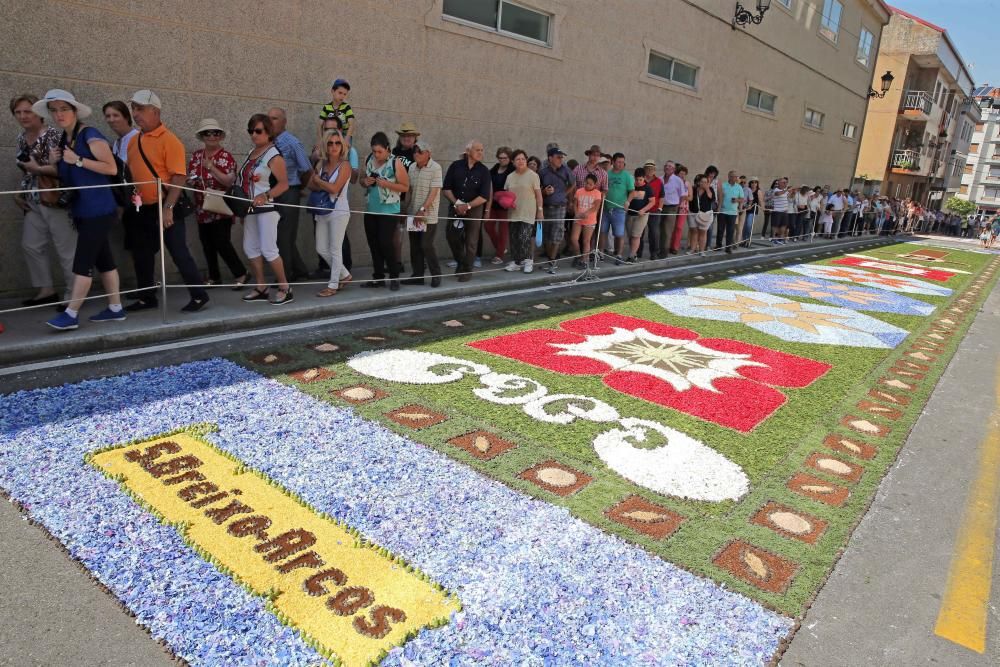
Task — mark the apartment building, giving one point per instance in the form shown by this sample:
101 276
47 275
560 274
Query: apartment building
660 79
917 137
981 176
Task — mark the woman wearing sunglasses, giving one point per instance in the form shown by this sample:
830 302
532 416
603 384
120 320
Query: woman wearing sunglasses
262 178
214 168
332 175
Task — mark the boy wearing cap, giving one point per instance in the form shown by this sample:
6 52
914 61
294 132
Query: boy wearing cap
339 108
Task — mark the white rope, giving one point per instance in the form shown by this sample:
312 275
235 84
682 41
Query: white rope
77 187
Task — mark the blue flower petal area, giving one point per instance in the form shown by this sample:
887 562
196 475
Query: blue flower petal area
837 294
537 585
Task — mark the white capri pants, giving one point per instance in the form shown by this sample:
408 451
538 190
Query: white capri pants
330 231
260 235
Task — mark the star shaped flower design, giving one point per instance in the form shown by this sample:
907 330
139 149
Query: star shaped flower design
781 317
727 382
844 294
682 363
858 276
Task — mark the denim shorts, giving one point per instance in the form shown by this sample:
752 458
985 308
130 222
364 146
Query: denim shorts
613 218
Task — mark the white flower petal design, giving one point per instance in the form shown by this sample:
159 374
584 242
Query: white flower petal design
598 412
521 389
682 363
414 367
682 467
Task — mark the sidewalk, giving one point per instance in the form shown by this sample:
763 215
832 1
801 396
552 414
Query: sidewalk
27 338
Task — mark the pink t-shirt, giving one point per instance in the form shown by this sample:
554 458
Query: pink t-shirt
588 202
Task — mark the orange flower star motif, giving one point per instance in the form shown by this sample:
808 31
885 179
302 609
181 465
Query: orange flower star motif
753 311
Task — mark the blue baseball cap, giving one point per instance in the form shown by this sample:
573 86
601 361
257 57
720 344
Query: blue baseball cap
341 83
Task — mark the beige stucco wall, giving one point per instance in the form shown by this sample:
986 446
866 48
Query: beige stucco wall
227 59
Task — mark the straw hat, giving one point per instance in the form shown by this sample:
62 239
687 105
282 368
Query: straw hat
208 124
408 128
41 107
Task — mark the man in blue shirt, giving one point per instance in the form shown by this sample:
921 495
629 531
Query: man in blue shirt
731 198
299 171
558 186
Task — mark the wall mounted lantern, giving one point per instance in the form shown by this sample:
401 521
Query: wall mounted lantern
887 80
744 17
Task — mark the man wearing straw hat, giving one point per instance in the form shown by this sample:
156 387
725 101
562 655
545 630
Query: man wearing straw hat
157 152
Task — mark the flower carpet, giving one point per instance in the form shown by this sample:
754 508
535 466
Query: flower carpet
663 474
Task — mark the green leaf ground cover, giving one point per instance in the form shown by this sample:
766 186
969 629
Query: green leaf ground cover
770 454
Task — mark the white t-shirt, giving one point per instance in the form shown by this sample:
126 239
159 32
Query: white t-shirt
262 172
120 147
779 202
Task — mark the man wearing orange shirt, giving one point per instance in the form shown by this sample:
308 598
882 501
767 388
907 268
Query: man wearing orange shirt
157 152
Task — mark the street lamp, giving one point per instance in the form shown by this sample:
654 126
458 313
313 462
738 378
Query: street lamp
744 16
887 79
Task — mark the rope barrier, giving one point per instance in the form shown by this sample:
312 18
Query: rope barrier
597 254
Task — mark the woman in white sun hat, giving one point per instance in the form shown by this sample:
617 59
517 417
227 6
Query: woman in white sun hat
83 159
214 168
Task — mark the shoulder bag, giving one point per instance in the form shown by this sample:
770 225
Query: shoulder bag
212 199
183 206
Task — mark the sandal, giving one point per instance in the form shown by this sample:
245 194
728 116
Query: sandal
241 282
287 297
326 291
348 279
256 295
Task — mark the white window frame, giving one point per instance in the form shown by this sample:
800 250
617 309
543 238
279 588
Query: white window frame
505 33
853 135
787 4
758 108
865 60
673 61
829 31
813 113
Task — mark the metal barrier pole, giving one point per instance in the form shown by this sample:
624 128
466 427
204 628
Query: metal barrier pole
163 252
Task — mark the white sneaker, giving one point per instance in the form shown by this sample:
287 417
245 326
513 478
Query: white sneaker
529 266
511 266
477 262
451 264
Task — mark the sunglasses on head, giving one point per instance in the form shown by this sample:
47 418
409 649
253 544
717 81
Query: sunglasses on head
257 130
212 133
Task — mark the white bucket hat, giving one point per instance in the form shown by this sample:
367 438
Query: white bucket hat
41 107
209 124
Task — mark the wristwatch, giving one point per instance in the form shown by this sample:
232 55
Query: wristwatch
79 162
168 206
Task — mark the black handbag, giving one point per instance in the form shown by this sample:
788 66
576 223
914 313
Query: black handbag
183 206
238 201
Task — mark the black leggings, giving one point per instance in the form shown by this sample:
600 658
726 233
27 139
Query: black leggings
92 246
385 243
216 242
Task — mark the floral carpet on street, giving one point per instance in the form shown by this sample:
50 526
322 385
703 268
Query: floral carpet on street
662 474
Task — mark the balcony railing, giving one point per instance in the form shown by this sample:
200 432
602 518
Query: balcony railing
906 159
918 100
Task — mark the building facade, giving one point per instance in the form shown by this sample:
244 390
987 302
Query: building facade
917 136
660 79
981 176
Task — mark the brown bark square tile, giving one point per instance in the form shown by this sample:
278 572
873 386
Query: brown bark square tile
850 446
911 365
831 465
865 426
416 416
903 373
327 347
879 410
413 331
645 517
790 522
308 375
556 478
889 397
814 488
360 393
482 444
269 358
373 338
897 384
761 568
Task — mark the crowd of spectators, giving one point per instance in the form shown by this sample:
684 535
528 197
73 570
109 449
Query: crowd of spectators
549 209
